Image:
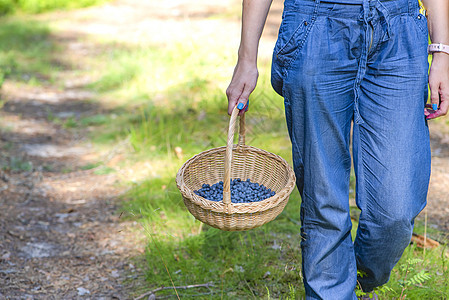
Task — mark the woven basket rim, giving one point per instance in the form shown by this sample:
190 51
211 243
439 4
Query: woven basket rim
236 208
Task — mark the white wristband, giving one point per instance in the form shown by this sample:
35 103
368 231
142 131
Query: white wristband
438 48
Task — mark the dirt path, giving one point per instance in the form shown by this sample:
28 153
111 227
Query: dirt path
61 236
60 233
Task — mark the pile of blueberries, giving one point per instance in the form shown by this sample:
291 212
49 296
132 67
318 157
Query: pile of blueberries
241 191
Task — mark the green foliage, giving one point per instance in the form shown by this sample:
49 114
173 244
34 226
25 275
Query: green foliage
95 120
7 6
7 65
416 278
70 123
18 164
240 264
104 170
17 35
127 65
90 166
2 78
161 129
166 107
231 260
25 50
39 6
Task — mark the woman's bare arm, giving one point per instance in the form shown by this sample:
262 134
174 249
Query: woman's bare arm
438 23
244 79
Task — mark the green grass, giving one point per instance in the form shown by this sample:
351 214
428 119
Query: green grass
26 47
25 51
39 6
17 164
187 109
104 170
253 264
413 264
160 107
174 97
242 265
160 97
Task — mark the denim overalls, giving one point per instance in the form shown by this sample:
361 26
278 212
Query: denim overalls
361 66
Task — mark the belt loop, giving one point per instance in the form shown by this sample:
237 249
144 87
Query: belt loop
386 16
413 5
366 10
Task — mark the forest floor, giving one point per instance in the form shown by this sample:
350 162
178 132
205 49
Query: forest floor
61 231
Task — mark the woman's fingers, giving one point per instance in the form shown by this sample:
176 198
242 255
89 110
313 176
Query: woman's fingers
439 99
439 86
243 83
233 93
244 99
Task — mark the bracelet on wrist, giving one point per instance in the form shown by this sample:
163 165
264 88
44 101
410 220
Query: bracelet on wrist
432 48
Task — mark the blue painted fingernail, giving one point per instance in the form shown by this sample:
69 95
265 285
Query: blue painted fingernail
240 106
434 106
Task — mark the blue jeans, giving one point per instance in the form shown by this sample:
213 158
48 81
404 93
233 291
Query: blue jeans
343 66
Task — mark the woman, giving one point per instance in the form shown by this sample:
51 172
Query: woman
363 62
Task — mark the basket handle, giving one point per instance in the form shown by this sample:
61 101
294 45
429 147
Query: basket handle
228 157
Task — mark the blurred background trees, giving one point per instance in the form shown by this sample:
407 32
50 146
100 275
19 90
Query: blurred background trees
38 6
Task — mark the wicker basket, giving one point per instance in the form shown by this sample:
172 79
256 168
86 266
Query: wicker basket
235 161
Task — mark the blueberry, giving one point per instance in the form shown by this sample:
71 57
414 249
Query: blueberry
241 191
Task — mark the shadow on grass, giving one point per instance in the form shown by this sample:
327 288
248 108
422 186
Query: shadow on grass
25 49
187 109
241 265
262 263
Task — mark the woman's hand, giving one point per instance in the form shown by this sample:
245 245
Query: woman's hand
438 23
439 86
244 79
243 83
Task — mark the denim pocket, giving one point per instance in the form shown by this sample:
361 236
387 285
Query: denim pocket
421 21
292 35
